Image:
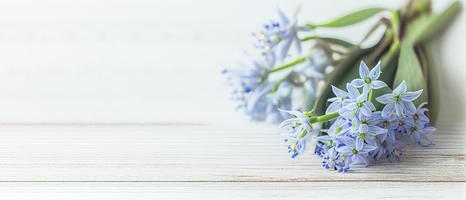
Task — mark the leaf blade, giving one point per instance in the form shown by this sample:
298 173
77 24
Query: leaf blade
351 18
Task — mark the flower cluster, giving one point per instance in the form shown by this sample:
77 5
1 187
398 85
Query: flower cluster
358 133
265 84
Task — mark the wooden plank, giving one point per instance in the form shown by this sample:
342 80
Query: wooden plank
319 190
201 153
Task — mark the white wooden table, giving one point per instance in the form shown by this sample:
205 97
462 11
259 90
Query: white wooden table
124 100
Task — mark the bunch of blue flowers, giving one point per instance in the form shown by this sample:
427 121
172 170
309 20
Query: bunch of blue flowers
272 80
295 67
351 117
358 132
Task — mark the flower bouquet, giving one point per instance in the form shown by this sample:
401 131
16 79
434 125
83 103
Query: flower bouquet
331 95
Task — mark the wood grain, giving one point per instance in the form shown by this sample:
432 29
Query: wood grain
200 153
316 190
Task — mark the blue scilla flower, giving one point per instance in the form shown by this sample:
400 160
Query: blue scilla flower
327 141
342 98
296 146
418 127
358 108
246 78
257 103
263 103
399 101
400 125
390 124
383 148
420 114
278 36
368 79
339 127
418 133
333 160
395 154
299 130
299 123
367 130
355 155
319 59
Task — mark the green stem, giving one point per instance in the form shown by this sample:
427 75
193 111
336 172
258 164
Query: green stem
324 118
330 40
288 65
396 24
395 48
371 94
278 83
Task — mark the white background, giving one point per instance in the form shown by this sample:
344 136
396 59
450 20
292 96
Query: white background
156 61
125 99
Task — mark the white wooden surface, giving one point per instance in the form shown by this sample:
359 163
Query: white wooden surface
124 100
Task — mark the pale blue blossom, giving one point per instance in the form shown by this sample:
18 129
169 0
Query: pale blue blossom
299 123
299 130
263 104
358 108
367 130
368 79
246 78
384 148
342 98
296 146
356 155
399 101
332 160
357 133
418 127
278 36
339 127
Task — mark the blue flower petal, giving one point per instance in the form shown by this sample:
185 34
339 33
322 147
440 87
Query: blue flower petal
357 83
352 90
400 89
377 130
387 110
370 106
363 70
410 96
282 16
359 143
285 49
375 72
376 84
333 107
409 106
385 99
399 109
338 92
365 110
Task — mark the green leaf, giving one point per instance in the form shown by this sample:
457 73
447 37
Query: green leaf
409 67
347 70
350 19
409 70
388 66
333 78
432 83
371 58
435 23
